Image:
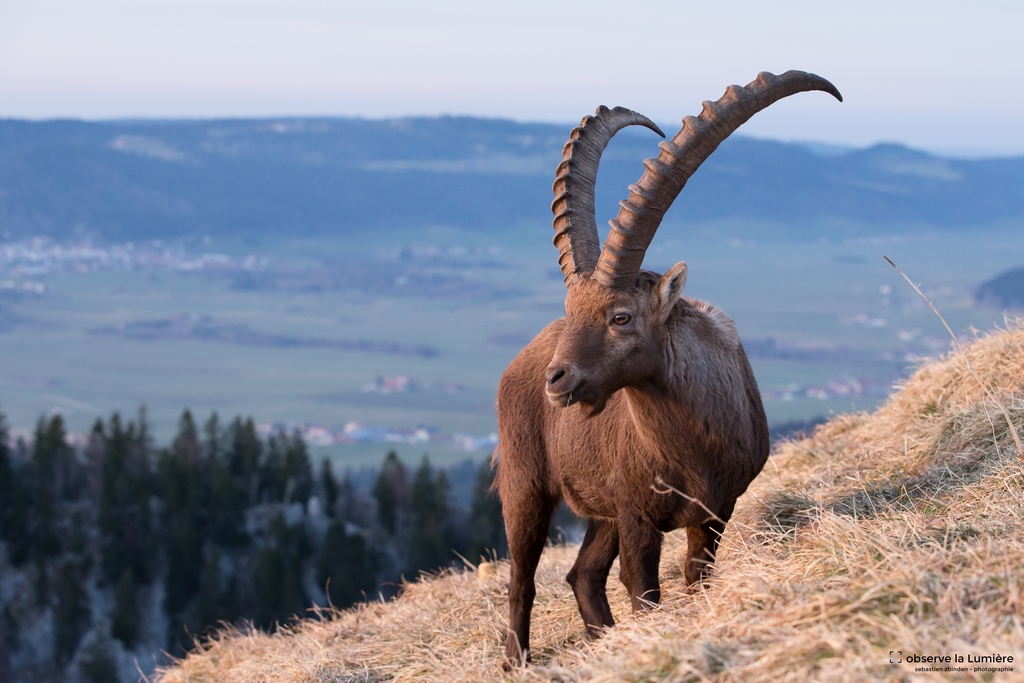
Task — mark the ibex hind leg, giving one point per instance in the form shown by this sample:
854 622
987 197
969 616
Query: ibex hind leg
589 575
702 544
527 519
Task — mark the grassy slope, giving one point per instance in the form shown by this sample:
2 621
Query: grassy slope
895 530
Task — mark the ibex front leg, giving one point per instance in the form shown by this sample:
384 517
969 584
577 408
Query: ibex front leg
639 557
589 575
526 525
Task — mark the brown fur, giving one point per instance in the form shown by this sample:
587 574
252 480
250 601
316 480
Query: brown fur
593 412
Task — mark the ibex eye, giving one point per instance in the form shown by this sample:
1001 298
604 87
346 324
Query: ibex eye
621 318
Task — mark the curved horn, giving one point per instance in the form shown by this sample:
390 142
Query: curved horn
575 225
652 195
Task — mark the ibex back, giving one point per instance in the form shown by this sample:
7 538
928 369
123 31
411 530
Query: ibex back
636 389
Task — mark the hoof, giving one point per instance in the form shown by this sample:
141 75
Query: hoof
512 663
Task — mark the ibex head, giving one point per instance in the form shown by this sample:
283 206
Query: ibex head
615 331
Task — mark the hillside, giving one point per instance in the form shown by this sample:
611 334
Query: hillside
1005 289
138 180
898 531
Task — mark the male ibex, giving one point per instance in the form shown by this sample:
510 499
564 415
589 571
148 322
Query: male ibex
632 385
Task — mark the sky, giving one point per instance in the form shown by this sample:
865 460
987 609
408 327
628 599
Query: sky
936 75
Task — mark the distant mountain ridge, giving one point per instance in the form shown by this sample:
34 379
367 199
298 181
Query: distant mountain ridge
1005 290
305 176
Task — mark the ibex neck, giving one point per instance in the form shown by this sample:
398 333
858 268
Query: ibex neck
661 417
700 386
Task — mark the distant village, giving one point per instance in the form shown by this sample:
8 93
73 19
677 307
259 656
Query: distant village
23 263
355 432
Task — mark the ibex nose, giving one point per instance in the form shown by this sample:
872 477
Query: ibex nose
553 374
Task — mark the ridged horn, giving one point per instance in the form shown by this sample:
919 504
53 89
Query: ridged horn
640 215
575 224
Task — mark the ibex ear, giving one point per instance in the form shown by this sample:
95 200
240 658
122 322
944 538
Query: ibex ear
670 287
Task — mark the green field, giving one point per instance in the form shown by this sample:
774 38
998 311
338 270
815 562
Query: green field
474 299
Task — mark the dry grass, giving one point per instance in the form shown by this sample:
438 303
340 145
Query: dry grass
895 530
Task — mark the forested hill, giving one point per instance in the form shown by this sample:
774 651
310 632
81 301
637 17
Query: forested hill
142 179
115 551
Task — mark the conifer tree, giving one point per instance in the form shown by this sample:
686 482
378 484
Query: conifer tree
71 611
49 453
276 575
228 502
15 529
214 602
429 537
391 490
272 472
12 519
297 469
346 567
125 620
94 454
214 439
53 458
124 510
97 664
228 495
267 574
186 443
329 489
6 474
487 527
349 506
181 486
244 455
